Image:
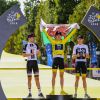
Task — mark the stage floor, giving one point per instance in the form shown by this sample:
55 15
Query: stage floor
14 82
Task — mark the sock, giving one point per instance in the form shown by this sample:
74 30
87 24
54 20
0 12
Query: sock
39 90
85 90
29 90
75 90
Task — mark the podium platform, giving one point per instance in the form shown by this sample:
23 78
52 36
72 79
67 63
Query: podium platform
55 97
59 97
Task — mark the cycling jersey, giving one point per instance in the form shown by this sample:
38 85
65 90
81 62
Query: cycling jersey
58 46
80 49
29 47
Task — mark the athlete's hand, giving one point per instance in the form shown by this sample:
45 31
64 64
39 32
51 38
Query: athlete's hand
31 54
78 55
33 51
84 55
37 52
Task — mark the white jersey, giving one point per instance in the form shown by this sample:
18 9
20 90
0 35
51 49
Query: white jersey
29 47
80 49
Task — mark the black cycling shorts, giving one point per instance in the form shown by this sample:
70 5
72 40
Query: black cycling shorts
81 68
32 65
58 63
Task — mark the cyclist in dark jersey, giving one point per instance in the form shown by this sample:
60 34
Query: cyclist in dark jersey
31 51
80 54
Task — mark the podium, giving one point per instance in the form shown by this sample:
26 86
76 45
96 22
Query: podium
54 97
59 97
34 99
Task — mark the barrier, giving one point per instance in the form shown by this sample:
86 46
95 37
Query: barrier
45 68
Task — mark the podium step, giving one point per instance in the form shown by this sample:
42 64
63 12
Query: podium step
59 97
55 97
66 97
26 99
34 99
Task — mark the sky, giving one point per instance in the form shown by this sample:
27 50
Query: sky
22 4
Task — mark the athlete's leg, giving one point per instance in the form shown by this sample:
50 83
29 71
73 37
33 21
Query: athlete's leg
61 73
62 79
40 94
29 77
62 82
77 77
84 83
84 71
36 77
29 82
77 82
54 73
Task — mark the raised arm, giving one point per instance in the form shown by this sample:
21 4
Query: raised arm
69 35
49 37
74 56
87 52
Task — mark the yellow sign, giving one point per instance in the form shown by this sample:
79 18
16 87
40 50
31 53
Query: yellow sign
98 16
18 16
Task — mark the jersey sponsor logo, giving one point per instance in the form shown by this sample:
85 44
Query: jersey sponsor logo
59 47
81 51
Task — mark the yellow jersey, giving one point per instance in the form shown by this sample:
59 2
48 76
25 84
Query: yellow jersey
58 46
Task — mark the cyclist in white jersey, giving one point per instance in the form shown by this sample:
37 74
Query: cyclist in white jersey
80 54
31 51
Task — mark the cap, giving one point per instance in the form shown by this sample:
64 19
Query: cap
31 35
80 37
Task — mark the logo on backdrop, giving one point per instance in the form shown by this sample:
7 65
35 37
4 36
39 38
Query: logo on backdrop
13 17
92 21
10 21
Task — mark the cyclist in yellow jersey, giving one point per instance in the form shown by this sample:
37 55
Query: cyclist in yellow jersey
58 47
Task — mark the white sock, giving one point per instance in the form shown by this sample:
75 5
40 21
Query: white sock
29 90
39 90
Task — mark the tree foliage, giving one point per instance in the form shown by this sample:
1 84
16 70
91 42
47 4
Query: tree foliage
78 14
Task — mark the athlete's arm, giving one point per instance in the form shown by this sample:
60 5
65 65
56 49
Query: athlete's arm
74 55
24 52
49 37
87 52
38 53
27 55
69 36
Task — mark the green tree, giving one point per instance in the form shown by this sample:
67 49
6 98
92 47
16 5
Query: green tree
78 14
52 11
64 9
3 6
